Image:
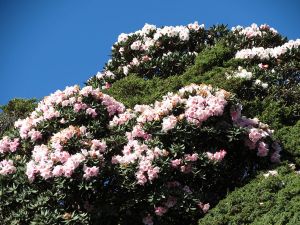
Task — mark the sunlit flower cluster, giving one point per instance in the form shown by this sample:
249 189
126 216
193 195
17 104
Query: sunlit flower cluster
8 145
267 53
54 159
254 30
197 103
71 98
150 47
7 167
242 73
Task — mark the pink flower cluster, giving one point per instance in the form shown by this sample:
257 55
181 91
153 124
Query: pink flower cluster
90 172
169 123
122 118
217 156
53 161
113 107
258 132
199 108
206 102
136 152
7 167
185 163
48 108
8 145
267 53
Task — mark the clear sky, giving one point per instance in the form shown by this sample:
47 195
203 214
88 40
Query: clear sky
47 45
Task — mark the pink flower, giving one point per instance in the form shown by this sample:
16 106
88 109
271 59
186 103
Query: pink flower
141 178
192 158
169 123
186 168
98 145
79 106
112 106
262 149
86 91
218 156
263 66
92 112
159 211
204 207
90 171
175 163
107 85
255 135
35 135
31 170
7 167
58 171
7 145
153 173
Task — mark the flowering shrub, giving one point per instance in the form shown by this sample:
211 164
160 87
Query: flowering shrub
255 36
84 148
154 51
169 50
176 144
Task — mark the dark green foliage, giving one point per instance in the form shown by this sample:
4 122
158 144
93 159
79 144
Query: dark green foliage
134 90
209 58
290 139
272 200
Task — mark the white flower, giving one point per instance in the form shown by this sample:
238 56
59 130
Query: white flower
270 173
264 85
123 37
169 123
258 82
148 28
136 45
125 70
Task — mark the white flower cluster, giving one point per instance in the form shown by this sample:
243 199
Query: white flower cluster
260 83
244 74
149 37
241 73
254 30
267 53
170 31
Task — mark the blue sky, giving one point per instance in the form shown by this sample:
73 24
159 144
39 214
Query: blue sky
47 45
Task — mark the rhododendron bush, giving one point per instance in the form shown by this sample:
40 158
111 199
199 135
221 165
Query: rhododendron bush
178 153
82 157
169 50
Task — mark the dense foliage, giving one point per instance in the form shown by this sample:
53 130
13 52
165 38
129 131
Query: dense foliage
271 198
175 148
